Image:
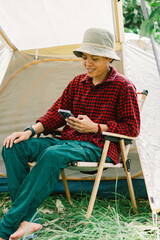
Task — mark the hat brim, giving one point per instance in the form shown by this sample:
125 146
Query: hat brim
96 51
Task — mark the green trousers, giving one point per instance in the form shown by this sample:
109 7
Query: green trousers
28 189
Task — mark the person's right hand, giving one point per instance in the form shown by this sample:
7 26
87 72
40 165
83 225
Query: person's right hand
16 137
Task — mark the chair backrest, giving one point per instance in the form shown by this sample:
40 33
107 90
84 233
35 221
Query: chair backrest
141 98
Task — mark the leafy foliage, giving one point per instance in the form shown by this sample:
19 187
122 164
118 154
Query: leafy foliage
135 22
152 24
133 16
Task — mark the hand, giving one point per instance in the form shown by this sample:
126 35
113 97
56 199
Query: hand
82 124
16 137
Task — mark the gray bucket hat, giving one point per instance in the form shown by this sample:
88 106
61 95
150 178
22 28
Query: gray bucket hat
98 42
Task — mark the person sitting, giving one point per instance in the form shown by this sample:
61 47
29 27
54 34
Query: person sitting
100 100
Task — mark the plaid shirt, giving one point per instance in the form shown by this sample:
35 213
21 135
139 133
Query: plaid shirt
112 102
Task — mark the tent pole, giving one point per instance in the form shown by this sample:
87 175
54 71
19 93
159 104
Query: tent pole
7 41
145 13
117 20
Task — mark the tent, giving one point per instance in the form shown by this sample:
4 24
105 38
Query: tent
36 63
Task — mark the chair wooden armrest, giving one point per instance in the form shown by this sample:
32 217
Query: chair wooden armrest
115 137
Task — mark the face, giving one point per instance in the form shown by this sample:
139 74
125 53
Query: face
97 67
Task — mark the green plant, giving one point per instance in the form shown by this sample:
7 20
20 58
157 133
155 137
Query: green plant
134 20
133 16
152 24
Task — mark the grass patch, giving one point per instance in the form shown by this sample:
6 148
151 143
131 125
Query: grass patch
111 219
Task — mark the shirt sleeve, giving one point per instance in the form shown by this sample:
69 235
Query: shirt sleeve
127 114
52 119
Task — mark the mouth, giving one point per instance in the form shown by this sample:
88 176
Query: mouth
90 70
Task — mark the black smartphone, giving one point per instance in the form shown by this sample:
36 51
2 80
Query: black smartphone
65 113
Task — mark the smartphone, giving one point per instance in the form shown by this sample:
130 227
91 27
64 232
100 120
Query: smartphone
65 113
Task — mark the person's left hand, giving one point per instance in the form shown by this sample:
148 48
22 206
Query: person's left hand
82 124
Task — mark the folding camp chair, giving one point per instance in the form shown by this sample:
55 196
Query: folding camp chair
125 143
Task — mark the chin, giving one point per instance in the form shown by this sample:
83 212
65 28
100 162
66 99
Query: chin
90 75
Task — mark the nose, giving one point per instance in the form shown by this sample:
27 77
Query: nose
88 61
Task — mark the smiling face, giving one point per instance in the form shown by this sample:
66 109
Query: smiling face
97 67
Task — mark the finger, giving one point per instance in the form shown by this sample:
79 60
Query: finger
9 143
74 118
70 121
81 116
73 126
5 141
75 121
19 139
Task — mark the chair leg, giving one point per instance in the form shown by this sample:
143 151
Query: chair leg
128 175
65 184
98 178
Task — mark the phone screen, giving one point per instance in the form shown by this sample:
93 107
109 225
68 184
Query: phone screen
65 113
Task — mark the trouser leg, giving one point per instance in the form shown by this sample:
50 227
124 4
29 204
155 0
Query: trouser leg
16 161
40 182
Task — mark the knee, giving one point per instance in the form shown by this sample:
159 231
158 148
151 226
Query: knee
8 153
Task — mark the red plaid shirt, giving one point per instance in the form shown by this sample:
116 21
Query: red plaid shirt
112 102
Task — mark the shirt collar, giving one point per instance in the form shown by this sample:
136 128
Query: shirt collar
110 77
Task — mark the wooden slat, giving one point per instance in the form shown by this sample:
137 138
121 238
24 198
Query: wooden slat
96 164
65 184
128 175
121 136
98 178
89 165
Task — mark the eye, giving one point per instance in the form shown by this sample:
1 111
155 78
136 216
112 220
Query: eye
95 58
84 57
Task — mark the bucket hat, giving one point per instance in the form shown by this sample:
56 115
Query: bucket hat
98 42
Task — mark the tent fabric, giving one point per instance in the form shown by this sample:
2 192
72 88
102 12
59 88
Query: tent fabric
38 84
106 189
24 22
140 67
30 86
5 56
